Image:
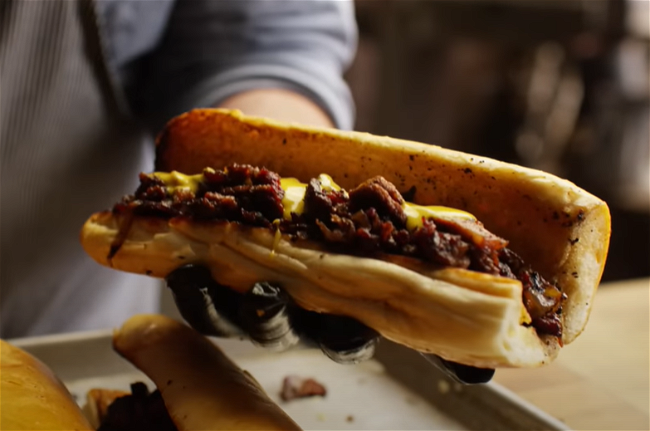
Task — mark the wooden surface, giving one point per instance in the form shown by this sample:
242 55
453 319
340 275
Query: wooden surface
601 380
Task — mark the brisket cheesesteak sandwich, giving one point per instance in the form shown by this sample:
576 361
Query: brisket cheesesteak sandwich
480 262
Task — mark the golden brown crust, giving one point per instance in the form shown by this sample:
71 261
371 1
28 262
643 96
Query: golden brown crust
32 397
201 387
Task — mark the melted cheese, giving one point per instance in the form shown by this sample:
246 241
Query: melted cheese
294 198
175 181
327 183
277 237
415 214
294 195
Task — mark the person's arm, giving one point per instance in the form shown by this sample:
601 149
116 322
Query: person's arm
282 59
278 104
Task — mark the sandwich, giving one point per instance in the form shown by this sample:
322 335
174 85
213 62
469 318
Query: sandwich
481 262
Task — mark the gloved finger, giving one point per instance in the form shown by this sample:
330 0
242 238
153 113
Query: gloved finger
207 306
265 314
273 320
342 339
464 374
346 340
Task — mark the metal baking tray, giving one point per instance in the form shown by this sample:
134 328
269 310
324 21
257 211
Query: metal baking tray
398 390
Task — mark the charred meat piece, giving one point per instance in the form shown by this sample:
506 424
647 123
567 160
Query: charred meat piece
549 324
381 195
543 300
474 232
321 203
443 248
151 189
239 175
540 297
294 387
485 259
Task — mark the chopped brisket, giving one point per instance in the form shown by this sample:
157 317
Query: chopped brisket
241 193
370 220
550 324
381 195
445 249
321 203
474 232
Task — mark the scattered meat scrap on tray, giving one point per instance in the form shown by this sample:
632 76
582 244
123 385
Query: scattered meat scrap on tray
294 387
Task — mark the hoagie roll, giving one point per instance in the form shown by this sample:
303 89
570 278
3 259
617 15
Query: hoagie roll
486 263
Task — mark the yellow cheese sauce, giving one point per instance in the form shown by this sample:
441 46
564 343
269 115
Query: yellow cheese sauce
295 193
277 237
294 198
415 214
175 180
328 183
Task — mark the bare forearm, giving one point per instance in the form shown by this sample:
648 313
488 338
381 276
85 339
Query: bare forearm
278 104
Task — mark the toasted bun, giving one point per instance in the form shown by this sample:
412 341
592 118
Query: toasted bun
475 319
32 397
464 316
201 387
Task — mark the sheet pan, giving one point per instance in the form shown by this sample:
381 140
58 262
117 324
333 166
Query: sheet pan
398 390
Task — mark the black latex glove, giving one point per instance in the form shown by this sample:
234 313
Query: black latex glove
269 318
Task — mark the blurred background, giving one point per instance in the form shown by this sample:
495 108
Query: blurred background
561 86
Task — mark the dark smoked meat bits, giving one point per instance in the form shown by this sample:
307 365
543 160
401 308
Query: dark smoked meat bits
321 203
369 220
241 193
381 195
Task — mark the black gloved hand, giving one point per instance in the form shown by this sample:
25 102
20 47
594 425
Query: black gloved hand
269 318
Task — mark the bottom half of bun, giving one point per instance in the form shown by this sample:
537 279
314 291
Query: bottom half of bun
463 316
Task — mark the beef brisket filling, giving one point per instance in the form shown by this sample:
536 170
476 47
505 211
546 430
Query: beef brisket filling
367 220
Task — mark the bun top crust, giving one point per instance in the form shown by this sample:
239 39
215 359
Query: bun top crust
32 397
560 229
